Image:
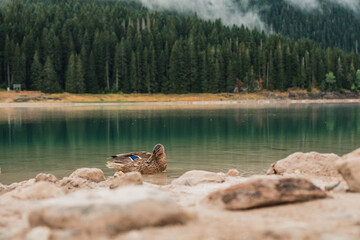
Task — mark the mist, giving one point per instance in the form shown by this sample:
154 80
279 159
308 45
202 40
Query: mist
229 12
311 5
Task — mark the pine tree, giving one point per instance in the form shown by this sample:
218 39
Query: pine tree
48 82
70 84
177 76
19 67
92 85
117 67
79 74
231 78
154 86
193 63
36 69
133 73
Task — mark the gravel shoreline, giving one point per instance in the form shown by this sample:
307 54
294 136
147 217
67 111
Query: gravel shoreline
178 103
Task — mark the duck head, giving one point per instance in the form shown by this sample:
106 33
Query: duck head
156 153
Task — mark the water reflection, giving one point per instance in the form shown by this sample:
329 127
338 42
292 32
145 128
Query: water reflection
59 140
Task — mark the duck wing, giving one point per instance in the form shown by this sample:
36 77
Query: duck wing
131 157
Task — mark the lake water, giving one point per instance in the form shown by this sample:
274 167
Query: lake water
215 138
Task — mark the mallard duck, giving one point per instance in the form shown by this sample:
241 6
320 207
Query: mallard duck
143 162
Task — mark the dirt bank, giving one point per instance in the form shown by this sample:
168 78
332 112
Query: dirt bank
33 98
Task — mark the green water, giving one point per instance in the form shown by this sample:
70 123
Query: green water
60 140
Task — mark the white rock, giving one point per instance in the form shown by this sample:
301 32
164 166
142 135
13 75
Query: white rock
108 211
196 177
308 164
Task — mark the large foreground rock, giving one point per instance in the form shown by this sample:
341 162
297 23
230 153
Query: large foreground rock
108 211
196 177
38 191
265 192
349 168
308 164
91 174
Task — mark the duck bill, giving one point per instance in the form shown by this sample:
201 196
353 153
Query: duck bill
151 158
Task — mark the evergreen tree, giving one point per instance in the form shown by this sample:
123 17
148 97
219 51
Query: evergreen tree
70 84
231 78
92 85
79 74
36 69
19 67
133 73
48 81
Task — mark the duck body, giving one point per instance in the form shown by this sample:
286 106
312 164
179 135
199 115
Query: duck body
143 162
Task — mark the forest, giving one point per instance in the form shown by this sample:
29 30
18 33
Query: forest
330 24
90 46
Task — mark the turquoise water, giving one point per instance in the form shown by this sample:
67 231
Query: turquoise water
217 138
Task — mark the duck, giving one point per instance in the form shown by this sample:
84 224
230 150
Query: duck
143 162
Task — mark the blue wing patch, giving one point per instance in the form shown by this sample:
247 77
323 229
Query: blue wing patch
132 157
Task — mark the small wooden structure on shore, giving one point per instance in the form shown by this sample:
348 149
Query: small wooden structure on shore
17 87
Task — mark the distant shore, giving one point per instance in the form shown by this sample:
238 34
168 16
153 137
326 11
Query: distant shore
38 99
179 103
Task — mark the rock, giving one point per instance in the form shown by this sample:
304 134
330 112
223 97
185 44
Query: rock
91 174
131 178
72 184
233 173
349 168
196 177
38 191
266 191
308 164
341 188
46 177
330 186
38 233
108 211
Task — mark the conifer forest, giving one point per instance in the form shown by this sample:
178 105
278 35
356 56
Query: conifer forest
91 46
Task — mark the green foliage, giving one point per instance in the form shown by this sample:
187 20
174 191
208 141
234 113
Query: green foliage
330 81
111 46
356 85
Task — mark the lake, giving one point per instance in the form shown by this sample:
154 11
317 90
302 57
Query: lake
215 138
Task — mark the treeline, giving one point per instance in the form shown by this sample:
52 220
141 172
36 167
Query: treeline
330 24
110 46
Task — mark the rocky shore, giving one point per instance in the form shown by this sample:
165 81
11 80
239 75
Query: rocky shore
304 196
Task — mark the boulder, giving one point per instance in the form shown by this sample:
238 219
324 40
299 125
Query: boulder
233 173
91 174
108 211
349 168
46 177
131 178
196 177
308 164
266 191
38 191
